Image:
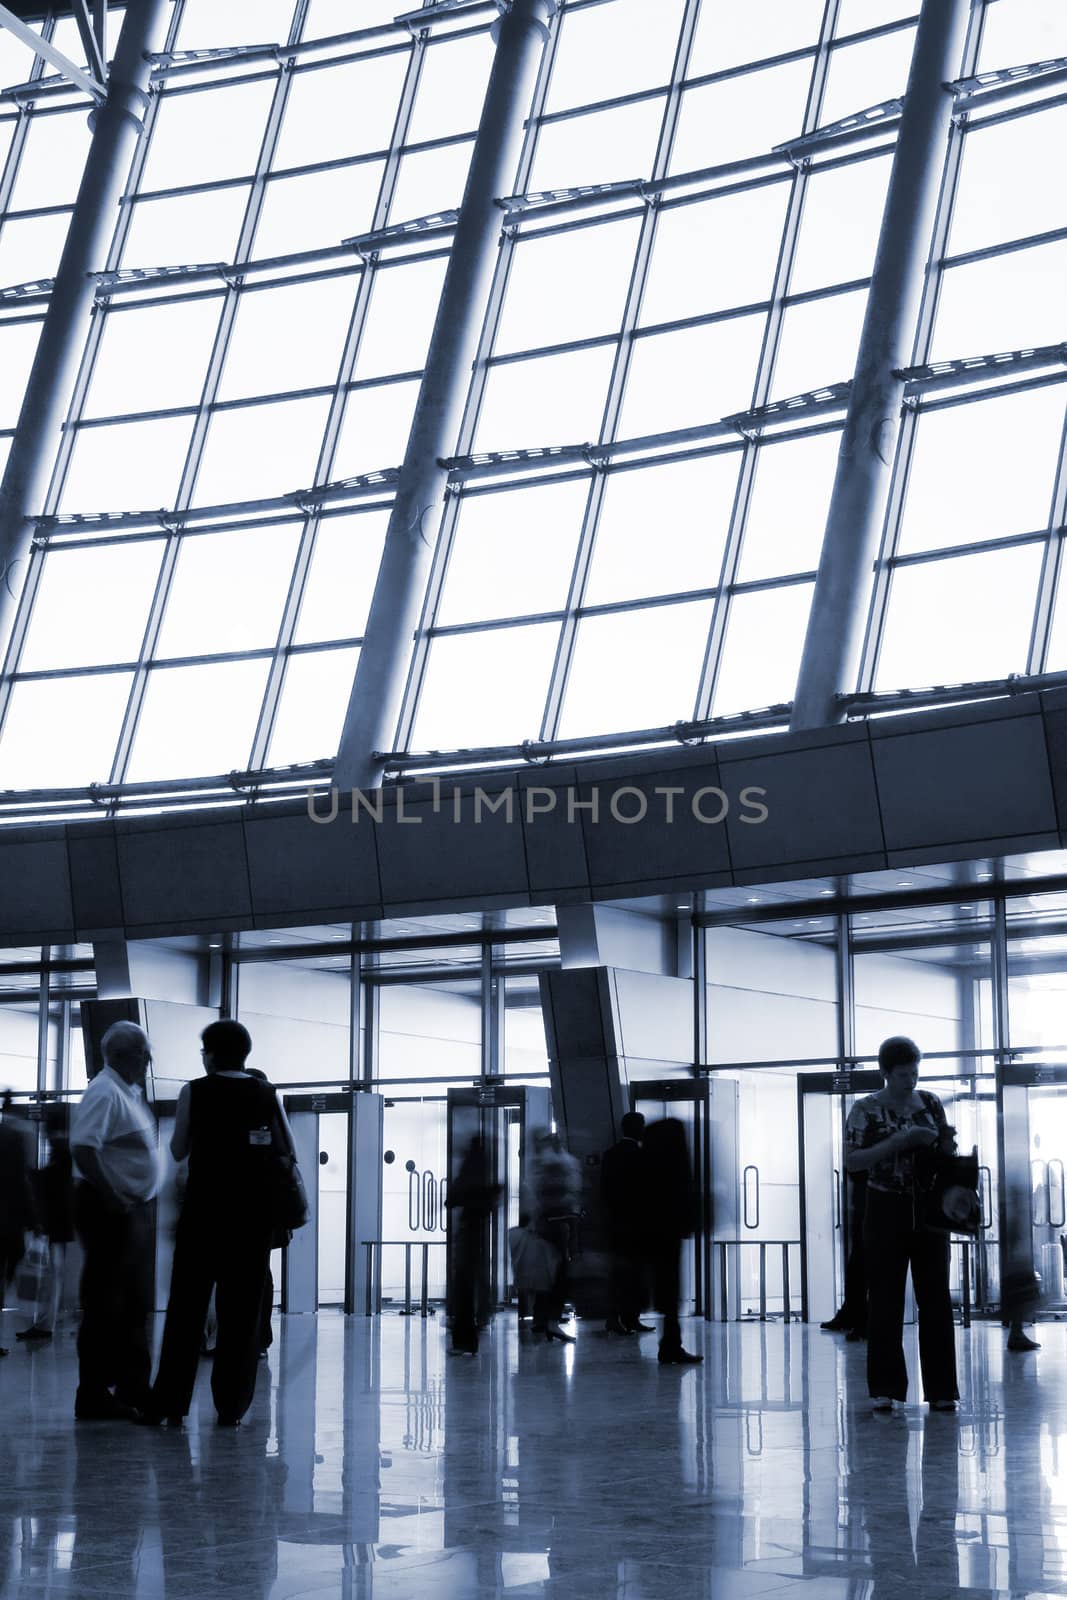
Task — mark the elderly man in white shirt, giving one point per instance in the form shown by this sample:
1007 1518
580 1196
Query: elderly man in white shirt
114 1144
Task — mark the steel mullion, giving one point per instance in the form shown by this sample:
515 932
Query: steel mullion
195 453
335 419
734 543
1051 566
473 405
618 381
881 587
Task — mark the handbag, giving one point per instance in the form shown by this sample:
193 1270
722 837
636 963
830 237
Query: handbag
535 1262
287 1201
34 1278
947 1193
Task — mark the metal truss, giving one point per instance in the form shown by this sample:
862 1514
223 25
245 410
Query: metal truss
91 29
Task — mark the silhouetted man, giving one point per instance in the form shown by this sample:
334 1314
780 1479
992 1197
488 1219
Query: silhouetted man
622 1193
16 1200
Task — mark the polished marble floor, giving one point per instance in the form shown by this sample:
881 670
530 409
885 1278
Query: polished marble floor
375 1466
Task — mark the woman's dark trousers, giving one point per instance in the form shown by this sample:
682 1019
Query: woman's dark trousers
666 1288
892 1243
548 1303
234 1261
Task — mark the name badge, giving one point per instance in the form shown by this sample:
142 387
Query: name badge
259 1136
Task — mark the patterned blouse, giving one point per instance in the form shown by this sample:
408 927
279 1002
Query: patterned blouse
871 1120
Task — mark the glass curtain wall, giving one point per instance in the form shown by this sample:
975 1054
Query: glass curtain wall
689 241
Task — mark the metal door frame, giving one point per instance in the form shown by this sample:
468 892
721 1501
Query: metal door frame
319 1105
695 1092
857 1080
488 1098
1012 1074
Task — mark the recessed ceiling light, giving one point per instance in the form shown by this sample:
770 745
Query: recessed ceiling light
753 899
826 891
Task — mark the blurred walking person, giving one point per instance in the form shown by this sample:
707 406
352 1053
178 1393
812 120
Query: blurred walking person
623 1197
114 1145
53 1186
17 1215
670 1217
553 1204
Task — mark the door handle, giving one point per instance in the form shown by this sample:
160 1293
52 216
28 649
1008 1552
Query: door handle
744 1185
985 1195
837 1200
1055 1188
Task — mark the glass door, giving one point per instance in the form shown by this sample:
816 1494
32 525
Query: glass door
1033 1103
505 1118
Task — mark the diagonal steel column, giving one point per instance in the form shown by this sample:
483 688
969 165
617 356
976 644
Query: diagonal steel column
378 686
850 545
116 125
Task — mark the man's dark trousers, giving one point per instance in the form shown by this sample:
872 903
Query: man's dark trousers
114 1341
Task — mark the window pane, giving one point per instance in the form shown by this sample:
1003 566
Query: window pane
212 605
451 87
327 17
604 147
865 74
178 737
430 181
787 511
982 470
552 400
948 621
345 110
260 451
316 210
764 643
30 248
185 229
88 711
730 36
127 466
92 606
1027 30
1004 190
340 581
213 133
1004 303
214 24
854 15
740 117
513 553
635 669
1057 647
311 711
716 255
403 309
842 219
662 529
485 688
595 265
18 346
374 433
52 161
819 343
608 52
290 336
153 356
695 375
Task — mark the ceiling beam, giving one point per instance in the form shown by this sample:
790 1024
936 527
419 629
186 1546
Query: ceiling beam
41 47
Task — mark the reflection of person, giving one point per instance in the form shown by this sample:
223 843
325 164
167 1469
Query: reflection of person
670 1217
113 1142
223 1124
16 1200
851 1319
553 1202
879 1500
472 1199
621 1191
885 1130
54 1190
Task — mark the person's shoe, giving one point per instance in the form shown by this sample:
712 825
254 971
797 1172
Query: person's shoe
838 1323
31 1335
616 1325
228 1422
1022 1341
881 1402
855 1335
3 1352
678 1358
106 1409
942 1405
554 1331
640 1327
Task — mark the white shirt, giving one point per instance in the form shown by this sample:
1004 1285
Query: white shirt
113 1119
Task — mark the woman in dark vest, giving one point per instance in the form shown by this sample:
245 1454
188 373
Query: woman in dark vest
225 1124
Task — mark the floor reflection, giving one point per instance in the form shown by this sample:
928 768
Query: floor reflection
375 1466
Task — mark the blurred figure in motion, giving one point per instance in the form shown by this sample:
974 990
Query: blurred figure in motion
670 1217
622 1174
472 1199
54 1191
553 1203
16 1199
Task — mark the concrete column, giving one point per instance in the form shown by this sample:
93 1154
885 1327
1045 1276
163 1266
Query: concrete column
117 124
378 686
839 607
